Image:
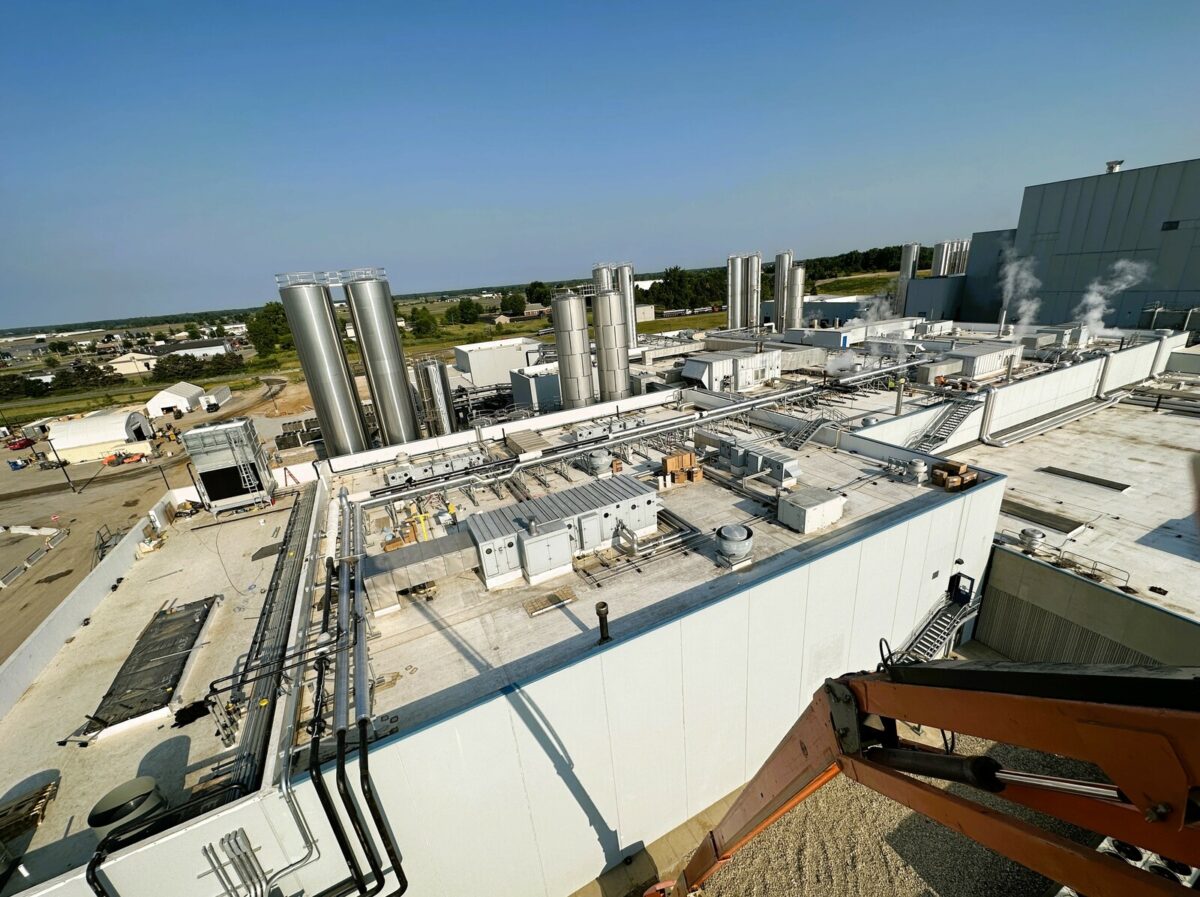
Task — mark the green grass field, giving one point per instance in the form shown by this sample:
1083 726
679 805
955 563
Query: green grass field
860 284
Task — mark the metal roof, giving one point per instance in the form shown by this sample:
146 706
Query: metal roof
511 519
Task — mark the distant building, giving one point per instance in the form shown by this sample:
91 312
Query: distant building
199 348
182 396
133 363
99 435
46 377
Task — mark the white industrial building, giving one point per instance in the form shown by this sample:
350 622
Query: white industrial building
133 363
181 396
99 435
488 364
200 348
738 370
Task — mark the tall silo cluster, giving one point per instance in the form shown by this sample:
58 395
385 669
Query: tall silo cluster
612 345
950 258
308 305
789 291
744 291
619 276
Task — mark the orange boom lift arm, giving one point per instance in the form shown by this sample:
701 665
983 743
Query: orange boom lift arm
1140 725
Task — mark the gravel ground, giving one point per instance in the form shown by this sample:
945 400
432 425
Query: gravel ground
848 841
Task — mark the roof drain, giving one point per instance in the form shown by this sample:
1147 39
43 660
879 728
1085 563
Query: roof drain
341 694
363 710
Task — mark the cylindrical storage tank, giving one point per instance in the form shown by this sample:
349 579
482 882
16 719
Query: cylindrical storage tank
374 317
735 297
735 542
753 287
793 317
574 350
602 277
315 331
910 255
434 396
612 346
783 271
628 296
941 260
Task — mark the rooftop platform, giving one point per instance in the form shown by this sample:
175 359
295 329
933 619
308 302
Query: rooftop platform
230 561
1140 520
434 654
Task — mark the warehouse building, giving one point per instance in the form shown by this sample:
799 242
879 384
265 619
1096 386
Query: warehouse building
182 397
99 435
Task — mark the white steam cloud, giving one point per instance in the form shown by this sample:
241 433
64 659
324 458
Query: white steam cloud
1019 286
845 361
1090 311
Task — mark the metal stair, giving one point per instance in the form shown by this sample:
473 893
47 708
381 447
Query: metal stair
943 426
931 640
803 434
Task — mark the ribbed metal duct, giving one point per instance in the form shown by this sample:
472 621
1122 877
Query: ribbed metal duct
612 346
574 350
318 339
436 399
735 297
374 317
783 271
793 316
624 284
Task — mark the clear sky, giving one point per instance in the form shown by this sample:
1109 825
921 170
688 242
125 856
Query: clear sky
171 157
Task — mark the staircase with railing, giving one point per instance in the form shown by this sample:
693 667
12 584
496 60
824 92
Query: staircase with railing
943 426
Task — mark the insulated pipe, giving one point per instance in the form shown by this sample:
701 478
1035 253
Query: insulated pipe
1104 366
1155 369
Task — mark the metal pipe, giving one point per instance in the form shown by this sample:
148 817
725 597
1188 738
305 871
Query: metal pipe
331 813
899 396
376 810
602 614
1099 790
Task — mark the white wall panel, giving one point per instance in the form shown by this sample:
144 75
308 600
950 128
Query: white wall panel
776 663
912 573
643 689
876 596
832 587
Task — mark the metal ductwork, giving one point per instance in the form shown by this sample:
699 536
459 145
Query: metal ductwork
436 399
314 326
793 314
783 273
612 346
370 301
628 295
574 350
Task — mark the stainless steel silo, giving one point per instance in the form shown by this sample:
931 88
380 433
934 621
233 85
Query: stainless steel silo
910 255
753 287
318 339
602 277
941 260
434 396
574 350
624 284
793 317
612 345
370 300
783 270
735 296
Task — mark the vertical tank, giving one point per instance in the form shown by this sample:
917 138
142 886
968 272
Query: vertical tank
794 315
435 397
370 300
783 270
735 298
612 345
753 288
574 350
602 277
318 339
910 255
941 260
625 286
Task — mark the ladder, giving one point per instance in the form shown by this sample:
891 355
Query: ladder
246 471
943 426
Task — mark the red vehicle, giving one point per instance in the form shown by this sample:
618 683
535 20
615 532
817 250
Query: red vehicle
21 442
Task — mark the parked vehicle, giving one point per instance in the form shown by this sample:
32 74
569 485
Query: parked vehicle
21 442
52 465
19 464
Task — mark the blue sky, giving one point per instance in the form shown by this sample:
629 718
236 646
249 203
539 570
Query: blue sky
171 157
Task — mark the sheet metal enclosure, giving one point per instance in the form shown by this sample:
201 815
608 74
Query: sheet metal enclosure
374 317
434 396
215 450
574 350
314 327
810 508
612 345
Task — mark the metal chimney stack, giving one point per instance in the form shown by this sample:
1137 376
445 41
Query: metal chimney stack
612 345
436 399
625 286
318 338
370 301
783 270
793 315
574 350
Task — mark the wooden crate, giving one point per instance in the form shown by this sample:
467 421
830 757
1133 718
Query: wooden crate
678 461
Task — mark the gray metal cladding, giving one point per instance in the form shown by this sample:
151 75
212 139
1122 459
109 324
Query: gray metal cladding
318 339
629 297
374 316
436 399
574 351
793 316
735 294
612 345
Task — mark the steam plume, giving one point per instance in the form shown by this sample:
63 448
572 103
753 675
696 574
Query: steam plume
1092 308
1019 286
